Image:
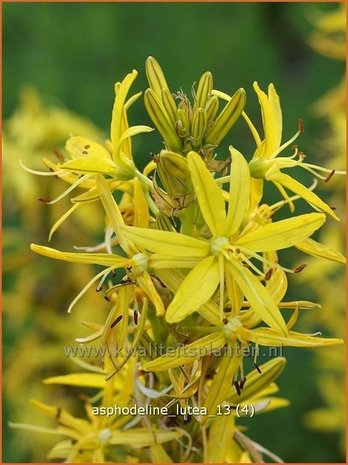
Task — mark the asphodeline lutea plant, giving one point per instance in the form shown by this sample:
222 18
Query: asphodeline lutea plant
198 284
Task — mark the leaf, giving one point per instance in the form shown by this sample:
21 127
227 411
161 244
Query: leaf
187 354
196 289
166 242
257 295
239 191
269 337
317 249
282 234
256 382
209 196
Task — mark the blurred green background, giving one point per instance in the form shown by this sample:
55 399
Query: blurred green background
73 54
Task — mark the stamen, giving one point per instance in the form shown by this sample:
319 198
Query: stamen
59 155
299 268
257 367
327 179
118 319
43 173
268 275
236 385
300 126
88 286
286 144
136 317
67 191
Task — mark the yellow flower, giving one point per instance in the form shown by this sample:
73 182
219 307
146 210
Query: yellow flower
227 250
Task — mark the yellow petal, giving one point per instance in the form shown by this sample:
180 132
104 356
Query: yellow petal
257 295
210 198
221 384
173 279
91 164
313 247
141 209
92 380
81 147
145 282
194 351
143 437
196 289
77 257
159 455
268 337
272 121
299 189
282 234
220 436
239 191
118 109
166 242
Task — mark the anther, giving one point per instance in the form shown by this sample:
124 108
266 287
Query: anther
87 147
236 385
136 317
241 384
98 289
329 176
257 367
59 155
300 126
118 319
268 275
58 413
299 268
225 321
40 199
84 152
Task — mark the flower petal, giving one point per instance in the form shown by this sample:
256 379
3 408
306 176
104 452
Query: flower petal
196 289
272 121
166 242
313 247
239 191
194 351
257 295
210 198
221 384
299 189
282 234
269 337
109 260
